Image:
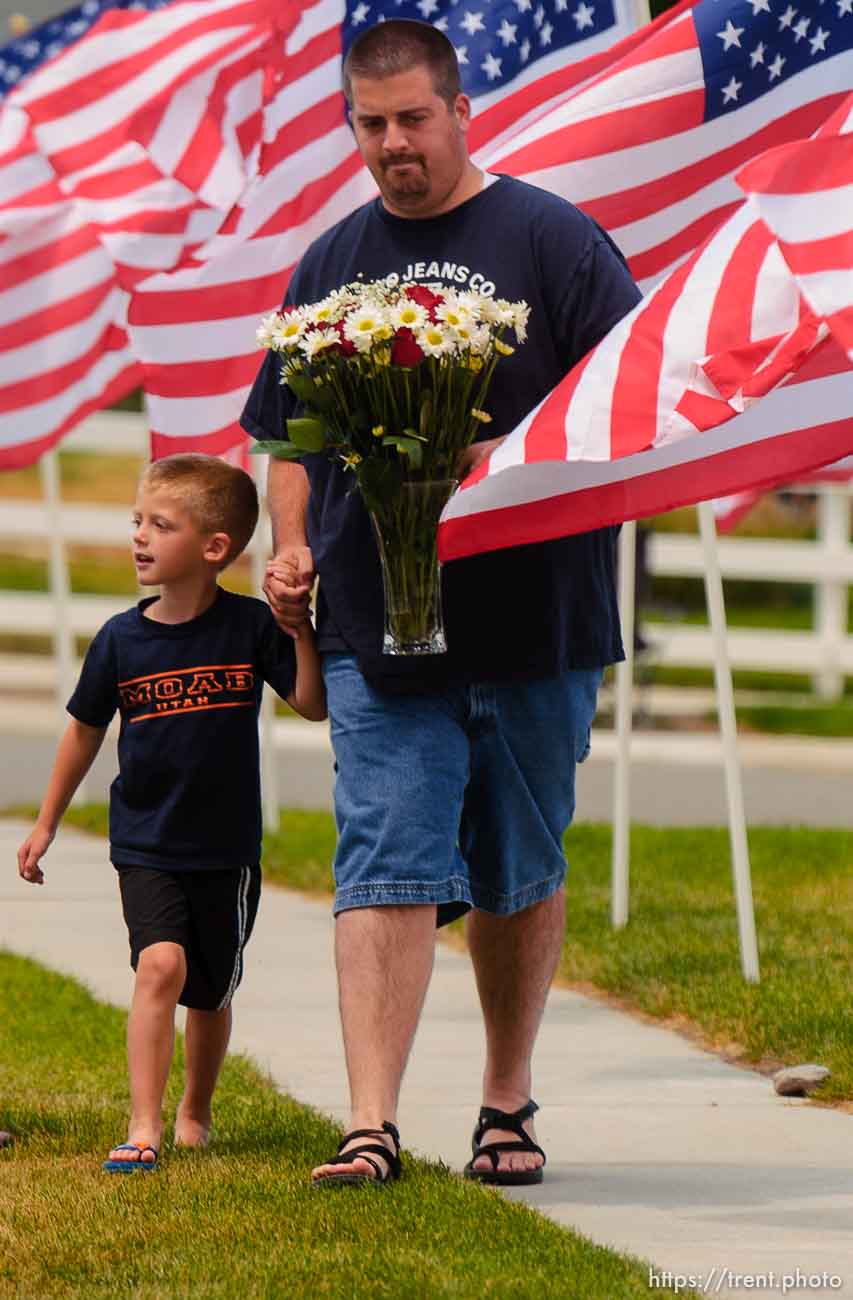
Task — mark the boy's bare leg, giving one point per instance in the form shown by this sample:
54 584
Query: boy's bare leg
384 958
206 1038
160 976
515 958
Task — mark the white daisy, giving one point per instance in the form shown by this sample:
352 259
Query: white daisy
471 304
408 315
316 341
265 333
479 340
520 317
362 327
436 340
288 330
454 315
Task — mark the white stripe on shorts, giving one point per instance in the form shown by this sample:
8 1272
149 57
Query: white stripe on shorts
242 910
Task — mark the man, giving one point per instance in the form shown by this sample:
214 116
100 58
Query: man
455 773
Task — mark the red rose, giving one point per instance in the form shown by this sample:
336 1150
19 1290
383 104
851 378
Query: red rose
346 347
404 350
425 297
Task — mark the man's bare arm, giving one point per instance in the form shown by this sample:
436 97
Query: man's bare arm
290 575
287 493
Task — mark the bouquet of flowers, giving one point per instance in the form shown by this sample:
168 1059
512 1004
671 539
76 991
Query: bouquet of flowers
392 378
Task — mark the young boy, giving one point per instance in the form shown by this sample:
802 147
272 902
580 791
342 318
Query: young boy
185 669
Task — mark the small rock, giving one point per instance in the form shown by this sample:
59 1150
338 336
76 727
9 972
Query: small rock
6 1139
799 1080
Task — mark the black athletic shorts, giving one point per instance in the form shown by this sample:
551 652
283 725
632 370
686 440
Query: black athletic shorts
209 913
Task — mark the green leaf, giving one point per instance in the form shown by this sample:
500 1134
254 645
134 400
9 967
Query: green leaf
409 447
307 433
302 386
281 449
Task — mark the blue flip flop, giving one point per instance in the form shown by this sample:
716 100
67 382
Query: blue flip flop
132 1166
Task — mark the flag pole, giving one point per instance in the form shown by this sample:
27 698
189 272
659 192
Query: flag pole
619 892
728 734
269 774
60 591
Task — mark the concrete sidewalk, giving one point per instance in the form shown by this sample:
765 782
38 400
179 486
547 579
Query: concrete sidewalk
654 1147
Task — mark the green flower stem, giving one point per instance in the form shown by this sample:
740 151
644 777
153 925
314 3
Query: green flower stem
407 528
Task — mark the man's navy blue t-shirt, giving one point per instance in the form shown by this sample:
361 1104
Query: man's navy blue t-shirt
187 796
523 612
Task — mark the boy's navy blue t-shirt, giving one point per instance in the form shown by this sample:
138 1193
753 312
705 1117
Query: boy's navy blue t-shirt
527 611
187 796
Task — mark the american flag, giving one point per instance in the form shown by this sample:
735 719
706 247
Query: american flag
29 51
184 323
789 196
118 157
186 294
163 166
650 149
637 115
815 239
709 385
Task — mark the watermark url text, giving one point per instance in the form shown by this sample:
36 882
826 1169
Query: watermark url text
719 1279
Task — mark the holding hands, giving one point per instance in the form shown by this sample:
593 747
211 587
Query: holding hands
287 586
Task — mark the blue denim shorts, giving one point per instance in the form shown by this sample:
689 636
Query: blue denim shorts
457 798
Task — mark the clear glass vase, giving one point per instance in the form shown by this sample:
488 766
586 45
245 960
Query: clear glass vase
406 529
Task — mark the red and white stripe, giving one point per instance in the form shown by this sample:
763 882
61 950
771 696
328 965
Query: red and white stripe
632 112
641 122
210 176
101 189
194 328
722 377
63 345
789 187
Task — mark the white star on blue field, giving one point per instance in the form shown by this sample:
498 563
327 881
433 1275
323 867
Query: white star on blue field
493 42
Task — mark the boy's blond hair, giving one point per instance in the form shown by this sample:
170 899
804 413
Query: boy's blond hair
217 496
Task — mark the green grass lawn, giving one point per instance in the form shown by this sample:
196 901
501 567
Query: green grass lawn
832 721
238 1222
678 960
650 674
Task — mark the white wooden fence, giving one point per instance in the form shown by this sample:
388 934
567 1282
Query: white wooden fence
825 653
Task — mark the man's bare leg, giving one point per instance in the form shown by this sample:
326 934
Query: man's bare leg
160 975
205 1043
515 958
384 958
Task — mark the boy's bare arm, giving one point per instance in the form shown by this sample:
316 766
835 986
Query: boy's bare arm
76 754
309 694
288 491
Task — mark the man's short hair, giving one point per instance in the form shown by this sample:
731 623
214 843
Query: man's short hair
217 496
387 49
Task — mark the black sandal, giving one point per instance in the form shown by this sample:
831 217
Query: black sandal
366 1152
491 1118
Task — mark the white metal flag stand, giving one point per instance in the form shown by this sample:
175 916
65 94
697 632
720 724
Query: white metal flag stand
60 587
728 735
623 723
